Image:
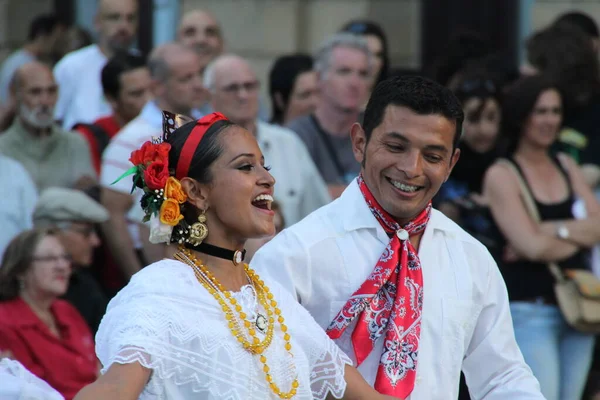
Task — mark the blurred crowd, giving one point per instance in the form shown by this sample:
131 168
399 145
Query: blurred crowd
72 237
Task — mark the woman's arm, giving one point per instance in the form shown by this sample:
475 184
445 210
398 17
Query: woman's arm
358 389
121 381
583 232
502 190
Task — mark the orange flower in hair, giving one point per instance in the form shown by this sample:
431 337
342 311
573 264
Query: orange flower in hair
170 213
174 191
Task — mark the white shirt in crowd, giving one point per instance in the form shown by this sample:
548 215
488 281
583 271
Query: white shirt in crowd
299 187
115 161
466 322
18 201
80 94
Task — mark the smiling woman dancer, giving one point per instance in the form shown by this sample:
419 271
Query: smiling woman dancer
203 325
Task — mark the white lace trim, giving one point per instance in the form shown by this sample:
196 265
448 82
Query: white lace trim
166 321
16 382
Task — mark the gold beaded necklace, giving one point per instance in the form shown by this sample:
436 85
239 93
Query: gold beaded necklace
265 299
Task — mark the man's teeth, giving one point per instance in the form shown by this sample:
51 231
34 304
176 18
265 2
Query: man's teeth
404 187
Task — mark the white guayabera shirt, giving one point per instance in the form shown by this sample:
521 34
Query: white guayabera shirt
466 322
167 321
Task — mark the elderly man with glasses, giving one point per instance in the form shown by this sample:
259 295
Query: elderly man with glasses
75 215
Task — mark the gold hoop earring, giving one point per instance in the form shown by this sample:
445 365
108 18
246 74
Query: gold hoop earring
198 230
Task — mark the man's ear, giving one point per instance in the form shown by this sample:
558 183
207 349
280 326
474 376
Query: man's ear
359 142
453 162
197 193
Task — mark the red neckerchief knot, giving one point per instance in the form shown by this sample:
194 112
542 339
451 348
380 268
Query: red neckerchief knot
389 301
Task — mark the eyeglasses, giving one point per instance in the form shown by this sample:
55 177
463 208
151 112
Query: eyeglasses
62 257
235 88
357 28
477 85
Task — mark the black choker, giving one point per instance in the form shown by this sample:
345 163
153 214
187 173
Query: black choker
236 257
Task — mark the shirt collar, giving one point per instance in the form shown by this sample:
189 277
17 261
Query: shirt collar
152 114
23 316
359 216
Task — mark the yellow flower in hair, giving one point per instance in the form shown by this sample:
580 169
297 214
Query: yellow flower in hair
170 214
174 191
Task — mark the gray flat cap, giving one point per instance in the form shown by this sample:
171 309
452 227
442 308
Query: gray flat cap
57 204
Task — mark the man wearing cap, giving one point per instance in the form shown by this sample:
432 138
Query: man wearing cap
73 214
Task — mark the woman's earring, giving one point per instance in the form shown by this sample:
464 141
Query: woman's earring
198 230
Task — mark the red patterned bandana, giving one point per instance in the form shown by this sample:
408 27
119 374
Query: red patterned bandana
390 301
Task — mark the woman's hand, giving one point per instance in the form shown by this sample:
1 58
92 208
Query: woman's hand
6 354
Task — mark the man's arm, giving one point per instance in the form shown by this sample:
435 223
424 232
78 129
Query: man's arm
116 231
494 367
284 260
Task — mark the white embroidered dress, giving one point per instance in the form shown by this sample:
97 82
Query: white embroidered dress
168 322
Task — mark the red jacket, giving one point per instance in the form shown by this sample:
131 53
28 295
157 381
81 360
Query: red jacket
68 363
109 126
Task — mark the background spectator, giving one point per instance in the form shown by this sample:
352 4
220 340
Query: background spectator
47 335
292 88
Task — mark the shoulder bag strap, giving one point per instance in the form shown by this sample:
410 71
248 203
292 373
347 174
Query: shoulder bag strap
527 197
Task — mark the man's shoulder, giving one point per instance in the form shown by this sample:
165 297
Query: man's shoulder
78 58
302 125
278 133
11 167
70 138
318 226
453 231
136 129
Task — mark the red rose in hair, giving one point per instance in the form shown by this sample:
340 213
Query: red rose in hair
150 152
156 175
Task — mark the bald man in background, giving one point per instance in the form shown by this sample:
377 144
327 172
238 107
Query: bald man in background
176 74
234 88
51 155
200 31
78 74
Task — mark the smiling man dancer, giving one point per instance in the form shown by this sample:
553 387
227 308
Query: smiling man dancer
406 293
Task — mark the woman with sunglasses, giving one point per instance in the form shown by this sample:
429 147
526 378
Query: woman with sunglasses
201 324
460 198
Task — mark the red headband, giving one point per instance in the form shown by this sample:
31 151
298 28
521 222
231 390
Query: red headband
192 142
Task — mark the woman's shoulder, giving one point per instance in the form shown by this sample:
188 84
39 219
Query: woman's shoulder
165 278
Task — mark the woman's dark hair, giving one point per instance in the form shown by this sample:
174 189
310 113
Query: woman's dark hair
519 102
364 28
207 152
463 47
580 20
282 79
17 260
565 55
475 83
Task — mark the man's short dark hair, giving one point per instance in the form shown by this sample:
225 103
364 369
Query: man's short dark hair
581 21
43 25
421 95
119 64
